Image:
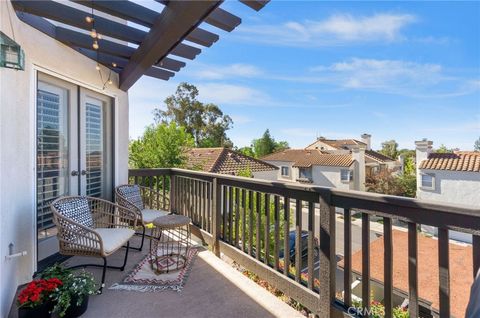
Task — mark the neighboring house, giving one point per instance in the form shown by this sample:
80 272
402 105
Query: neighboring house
448 178
227 161
318 168
428 272
374 161
64 107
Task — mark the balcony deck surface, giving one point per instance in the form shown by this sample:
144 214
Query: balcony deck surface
213 289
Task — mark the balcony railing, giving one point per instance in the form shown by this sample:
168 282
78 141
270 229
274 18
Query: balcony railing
249 221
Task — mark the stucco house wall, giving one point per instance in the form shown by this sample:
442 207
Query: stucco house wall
271 175
330 177
456 187
17 141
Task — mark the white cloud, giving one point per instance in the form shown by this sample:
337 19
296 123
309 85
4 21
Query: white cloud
216 72
220 93
241 119
337 29
381 74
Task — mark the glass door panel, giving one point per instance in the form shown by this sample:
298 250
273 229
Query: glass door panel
54 156
95 145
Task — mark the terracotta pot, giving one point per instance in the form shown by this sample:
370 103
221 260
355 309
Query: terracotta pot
42 311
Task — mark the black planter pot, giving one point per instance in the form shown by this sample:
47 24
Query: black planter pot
42 311
76 311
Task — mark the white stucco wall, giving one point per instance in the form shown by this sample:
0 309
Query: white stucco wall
455 187
321 175
452 187
330 177
17 142
266 175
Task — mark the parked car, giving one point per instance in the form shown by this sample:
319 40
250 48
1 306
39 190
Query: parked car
303 246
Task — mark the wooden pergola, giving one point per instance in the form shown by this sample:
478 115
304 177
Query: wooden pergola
129 51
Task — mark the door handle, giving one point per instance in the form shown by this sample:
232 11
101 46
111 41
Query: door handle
84 172
74 173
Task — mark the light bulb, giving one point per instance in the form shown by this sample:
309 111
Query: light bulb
89 19
93 33
99 36
110 82
95 45
97 67
114 64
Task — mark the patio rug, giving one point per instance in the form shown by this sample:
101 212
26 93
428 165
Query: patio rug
144 279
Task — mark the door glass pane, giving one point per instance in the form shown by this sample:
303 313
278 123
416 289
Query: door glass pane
94 150
52 154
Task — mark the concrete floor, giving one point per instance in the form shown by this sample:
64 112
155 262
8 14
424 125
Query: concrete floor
213 289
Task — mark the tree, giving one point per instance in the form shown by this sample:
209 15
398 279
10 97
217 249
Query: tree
443 149
388 182
267 145
476 146
161 146
390 148
247 151
205 122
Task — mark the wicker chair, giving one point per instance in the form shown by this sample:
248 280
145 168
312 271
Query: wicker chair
93 227
145 202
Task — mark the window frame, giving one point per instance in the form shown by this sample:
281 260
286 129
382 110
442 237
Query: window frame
350 175
432 176
288 171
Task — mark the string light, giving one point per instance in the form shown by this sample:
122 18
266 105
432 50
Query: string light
89 19
95 45
93 33
114 64
110 82
97 67
99 36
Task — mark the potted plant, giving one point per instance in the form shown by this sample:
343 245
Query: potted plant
36 300
71 299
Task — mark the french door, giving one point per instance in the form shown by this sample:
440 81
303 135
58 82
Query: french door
74 150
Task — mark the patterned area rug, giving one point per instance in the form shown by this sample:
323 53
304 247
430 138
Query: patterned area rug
145 279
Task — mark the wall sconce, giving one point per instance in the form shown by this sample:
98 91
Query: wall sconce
11 54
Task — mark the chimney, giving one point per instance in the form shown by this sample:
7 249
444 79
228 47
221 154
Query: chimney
367 139
358 154
422 149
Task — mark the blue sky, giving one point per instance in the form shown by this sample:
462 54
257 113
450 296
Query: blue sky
396 70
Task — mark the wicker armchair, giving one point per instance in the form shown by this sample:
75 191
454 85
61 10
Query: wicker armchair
92 227
147 204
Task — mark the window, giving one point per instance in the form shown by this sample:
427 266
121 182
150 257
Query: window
305 173
346 175
428 181
285 171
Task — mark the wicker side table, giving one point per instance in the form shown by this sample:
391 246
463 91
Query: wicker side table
170 243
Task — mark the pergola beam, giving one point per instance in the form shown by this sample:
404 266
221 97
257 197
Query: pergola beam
74 17
123 9
256 5
223 20
176 21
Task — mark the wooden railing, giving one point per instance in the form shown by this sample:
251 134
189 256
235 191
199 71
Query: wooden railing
249 221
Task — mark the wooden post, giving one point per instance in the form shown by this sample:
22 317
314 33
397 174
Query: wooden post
173 208
216 215
327 256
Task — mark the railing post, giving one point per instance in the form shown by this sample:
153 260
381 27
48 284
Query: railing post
216 215
327 255
173 208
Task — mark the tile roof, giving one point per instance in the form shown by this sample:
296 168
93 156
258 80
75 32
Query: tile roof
377 156
338 143
306 158
459 161
224 160
461 277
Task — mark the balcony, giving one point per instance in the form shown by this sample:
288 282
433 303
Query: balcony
250 221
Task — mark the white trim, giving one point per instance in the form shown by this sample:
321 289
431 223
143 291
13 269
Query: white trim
33 146
72 80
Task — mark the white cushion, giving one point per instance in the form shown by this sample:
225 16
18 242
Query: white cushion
150 215
113 239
